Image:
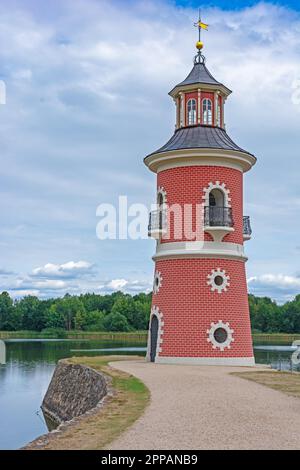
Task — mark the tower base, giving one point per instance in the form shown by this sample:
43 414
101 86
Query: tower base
208 361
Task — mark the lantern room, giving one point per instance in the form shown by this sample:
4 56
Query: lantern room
200 105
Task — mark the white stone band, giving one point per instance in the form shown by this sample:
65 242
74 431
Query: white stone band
209 361
200 157
200 249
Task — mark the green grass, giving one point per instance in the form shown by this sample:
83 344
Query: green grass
138 336
23 335
132 384
274 338
286 382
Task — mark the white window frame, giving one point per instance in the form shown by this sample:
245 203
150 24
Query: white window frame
219 115
191 108
207 117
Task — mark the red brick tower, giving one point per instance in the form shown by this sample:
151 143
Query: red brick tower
200 312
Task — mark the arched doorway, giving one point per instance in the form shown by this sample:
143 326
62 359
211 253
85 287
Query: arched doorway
153 337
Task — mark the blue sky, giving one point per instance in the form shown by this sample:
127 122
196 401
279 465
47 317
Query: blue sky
235 4
87 84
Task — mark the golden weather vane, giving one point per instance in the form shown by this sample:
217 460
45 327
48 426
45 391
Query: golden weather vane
200 25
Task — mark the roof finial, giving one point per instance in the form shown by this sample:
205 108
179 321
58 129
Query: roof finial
199 44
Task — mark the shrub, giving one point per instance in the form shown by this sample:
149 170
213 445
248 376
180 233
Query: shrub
59 333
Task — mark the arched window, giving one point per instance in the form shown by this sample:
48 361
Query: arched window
216 198
207 111
218 214
161 201
191 112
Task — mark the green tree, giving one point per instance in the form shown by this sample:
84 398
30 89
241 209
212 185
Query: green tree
116 322
265 314
94 321
125 305
104 303
6 312
291 316
142 315
54 317
31 313
68 307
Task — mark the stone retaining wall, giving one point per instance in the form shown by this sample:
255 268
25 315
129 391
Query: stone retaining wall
73 390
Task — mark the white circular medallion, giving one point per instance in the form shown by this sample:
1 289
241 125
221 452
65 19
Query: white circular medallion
220 335
218 280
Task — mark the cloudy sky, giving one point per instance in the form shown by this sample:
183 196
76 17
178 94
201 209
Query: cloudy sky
86 100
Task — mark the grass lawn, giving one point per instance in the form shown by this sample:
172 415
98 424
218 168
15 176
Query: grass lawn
120 411
286 382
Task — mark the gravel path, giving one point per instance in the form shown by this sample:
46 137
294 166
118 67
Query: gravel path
201 407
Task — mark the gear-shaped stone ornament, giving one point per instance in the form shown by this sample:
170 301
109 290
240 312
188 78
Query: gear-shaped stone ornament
218 280
220 335
157 283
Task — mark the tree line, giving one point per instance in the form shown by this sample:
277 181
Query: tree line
87 312
123 312
269 317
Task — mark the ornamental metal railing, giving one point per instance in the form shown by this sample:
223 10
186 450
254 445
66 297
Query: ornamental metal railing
247 230
215 216
157 221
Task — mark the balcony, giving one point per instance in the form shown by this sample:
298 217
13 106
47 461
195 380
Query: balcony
247 230
218 216
157 224
218 222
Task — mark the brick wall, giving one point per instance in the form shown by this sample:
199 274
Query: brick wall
185 185
189 306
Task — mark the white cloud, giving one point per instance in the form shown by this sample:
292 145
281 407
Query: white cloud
278 280
129 286
116 284
50 284
16 294
70 269
52 280
278 286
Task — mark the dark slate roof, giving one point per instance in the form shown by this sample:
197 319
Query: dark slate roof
199 74
207 137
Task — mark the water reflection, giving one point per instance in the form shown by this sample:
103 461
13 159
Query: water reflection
50 423
278 357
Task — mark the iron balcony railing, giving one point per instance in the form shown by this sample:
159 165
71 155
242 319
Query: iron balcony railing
157 221
247 230
215 216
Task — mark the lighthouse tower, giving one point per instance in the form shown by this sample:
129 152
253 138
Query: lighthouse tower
200 312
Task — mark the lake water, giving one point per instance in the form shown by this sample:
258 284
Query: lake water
28 370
